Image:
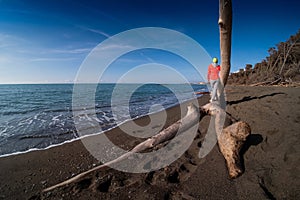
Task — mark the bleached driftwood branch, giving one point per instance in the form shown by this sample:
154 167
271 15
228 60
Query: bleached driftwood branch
267 82
191 118
230 140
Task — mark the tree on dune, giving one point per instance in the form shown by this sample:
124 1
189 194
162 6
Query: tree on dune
282 66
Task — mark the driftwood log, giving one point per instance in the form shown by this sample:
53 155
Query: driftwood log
267 82
191 118
230 140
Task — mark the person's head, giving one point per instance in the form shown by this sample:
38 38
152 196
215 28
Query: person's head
215 60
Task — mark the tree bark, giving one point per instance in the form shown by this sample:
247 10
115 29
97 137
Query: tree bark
225 26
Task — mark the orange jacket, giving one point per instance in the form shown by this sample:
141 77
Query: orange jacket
213 72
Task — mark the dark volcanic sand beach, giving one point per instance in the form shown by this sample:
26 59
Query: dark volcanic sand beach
271 159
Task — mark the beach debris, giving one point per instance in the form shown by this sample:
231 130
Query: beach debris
230 142
191 118
230 139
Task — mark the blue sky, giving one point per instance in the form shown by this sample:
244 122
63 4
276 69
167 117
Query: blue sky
47 41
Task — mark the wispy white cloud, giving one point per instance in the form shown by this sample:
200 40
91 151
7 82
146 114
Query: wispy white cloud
94 31
131 60
51 59
71 51
11 60
15 50
116 47
53 52
148 58
99 32
8 40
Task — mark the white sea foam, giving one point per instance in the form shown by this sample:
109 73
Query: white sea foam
3 132
81 137
55 118
42 120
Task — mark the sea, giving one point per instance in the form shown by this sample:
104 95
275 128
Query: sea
39 116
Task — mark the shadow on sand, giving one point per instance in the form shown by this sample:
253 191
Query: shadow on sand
252 140
249 98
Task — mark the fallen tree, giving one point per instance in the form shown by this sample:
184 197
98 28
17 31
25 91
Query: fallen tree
267 82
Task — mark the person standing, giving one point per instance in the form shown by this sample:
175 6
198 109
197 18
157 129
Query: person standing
214 78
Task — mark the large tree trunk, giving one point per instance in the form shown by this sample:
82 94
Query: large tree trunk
225 25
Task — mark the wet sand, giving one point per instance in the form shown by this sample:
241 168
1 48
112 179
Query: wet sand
271 159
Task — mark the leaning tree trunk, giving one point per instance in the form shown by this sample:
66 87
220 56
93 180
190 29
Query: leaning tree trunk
225 25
